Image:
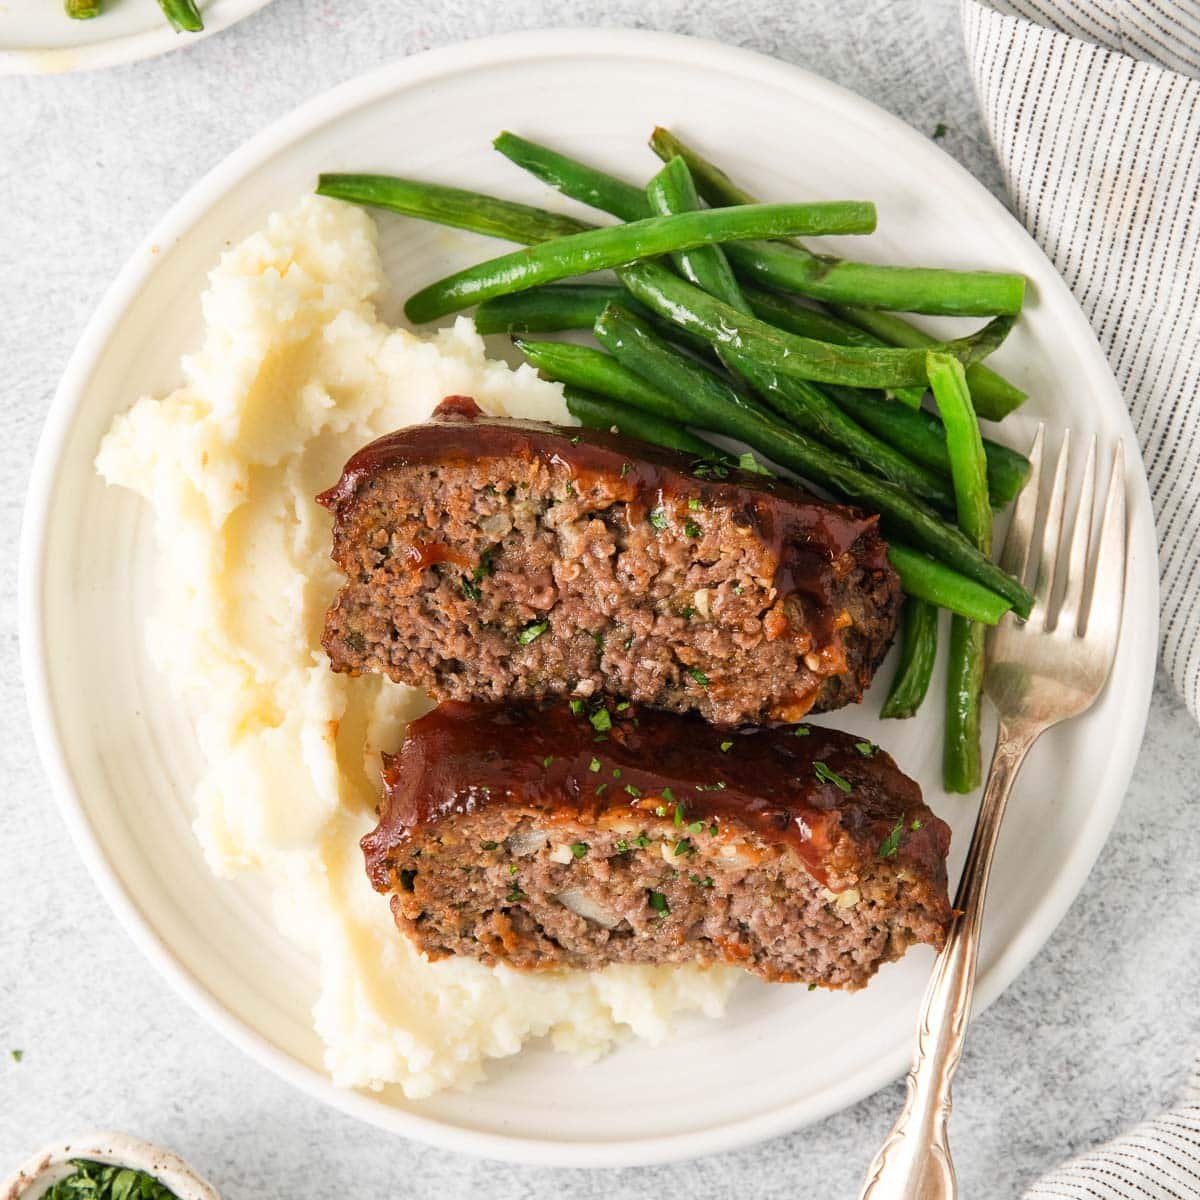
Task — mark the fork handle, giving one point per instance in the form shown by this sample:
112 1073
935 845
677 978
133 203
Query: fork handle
914 1162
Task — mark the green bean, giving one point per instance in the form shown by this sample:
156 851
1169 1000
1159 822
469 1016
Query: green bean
82 10
599 412
992 395
575 179
922 437
591 370
962 756
785 313
963 293
807 407
451 206
927 579
696 397
910 289
934 290
672 191
599 249
968 465
550 309
856 366
918 650
183 15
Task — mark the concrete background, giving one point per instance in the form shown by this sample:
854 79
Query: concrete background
1096 1034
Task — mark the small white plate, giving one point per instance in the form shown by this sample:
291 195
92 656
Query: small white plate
38 38
121 752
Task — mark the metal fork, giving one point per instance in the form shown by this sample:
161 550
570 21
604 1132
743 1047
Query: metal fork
1038 672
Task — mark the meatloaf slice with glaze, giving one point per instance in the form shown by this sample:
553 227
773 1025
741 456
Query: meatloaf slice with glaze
491 559
560 835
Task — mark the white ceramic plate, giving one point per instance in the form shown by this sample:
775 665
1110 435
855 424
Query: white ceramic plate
37 37
121 753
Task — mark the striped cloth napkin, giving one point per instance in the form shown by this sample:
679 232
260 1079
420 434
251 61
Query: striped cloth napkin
1094 109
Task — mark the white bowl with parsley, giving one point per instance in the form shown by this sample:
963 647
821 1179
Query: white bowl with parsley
106 1166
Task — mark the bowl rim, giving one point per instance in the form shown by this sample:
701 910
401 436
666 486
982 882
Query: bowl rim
52 1162
277 136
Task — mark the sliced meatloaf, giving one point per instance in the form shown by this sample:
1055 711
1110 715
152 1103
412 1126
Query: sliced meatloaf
560 835
489 559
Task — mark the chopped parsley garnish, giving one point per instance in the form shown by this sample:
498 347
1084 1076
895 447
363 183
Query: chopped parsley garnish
489 845
825 775
866 749
594 766
812 987
660 810
577 707
726 747
684 846
601 789
668 795
658 902
694 504
801 731
633 791
939 132
616 772
625 469
687 613
709 468
699 676
576 440
514 894
547 760
737 589
891 843
622 846
658 518
485 564
491 490
748 462
641 841
623 706
679 816
579 849
719 786
16 1055
916 824
531 633
707 881
601 720
102 1181
712 830
470 590
691 529
696 827
512 868
598 638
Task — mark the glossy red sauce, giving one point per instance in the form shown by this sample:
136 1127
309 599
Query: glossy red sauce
460 758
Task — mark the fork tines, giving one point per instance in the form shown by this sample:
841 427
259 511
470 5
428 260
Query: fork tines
1082 611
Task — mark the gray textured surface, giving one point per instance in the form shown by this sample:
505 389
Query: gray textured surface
1096 1034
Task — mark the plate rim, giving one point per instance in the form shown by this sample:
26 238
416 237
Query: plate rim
132 47
398 74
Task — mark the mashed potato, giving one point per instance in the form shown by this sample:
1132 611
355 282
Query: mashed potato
296 373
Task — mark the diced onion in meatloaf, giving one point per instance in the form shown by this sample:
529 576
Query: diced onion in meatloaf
489 559
551 835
